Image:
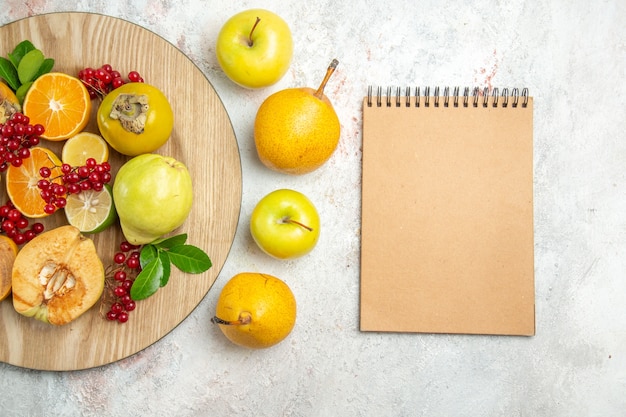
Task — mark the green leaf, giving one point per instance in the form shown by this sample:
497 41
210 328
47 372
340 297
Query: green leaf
19 51
167 267
148 281
9 73
45 68
171 241
147 254
20 93
29 65
189 258
156 261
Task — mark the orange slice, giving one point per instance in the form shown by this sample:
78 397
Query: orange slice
60 103
22 181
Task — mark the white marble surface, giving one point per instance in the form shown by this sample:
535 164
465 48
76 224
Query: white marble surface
571 54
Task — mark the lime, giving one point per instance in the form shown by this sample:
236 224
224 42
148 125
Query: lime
91 211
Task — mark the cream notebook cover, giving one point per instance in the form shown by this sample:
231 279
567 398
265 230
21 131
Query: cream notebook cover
447 212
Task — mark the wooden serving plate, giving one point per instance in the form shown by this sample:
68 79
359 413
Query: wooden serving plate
203 138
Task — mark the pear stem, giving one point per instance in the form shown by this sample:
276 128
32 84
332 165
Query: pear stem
331 68
243 319
310 229
250 43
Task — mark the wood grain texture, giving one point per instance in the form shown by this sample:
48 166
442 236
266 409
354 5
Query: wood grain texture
203 138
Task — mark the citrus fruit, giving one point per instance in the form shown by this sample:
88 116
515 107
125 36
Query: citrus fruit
255 310
22 181
296 130
8 252
91 211
60 102
84 145
9 103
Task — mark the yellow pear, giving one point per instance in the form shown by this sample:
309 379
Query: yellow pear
255 310
296 130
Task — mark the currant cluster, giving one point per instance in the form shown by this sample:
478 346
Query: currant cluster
53 191
16 226
127 266
17 136
103 80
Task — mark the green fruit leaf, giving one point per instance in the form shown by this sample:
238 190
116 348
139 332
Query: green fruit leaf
171 241
167 267
148 281
29 65
189 258
19 51
156 261
20 93
45 67
147 254
9 73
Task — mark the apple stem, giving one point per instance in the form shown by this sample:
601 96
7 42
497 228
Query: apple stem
310 229
243 319
331 68
250 43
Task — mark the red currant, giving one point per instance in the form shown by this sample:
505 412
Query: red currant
134 76
126 285
132 262
122 317
19 238
103 80
14 215
44 172
117 82
16 136
120 291
119 258
120 275
29 235
125 246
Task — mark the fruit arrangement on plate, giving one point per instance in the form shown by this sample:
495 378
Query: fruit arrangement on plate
296 131
56 275
202 138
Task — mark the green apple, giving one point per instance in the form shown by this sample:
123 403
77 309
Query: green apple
254 48
285 224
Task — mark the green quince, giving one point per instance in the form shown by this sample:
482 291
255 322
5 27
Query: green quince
153 195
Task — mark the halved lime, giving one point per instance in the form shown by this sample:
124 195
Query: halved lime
91 211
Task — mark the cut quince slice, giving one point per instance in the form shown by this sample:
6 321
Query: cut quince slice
57 276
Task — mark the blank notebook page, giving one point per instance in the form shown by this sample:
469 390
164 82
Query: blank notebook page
447 217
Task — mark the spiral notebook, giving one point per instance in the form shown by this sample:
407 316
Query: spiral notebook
447 212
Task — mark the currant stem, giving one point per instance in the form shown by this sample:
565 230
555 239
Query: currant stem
250 43
331 69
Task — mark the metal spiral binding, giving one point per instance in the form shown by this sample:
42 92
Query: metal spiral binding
477 98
